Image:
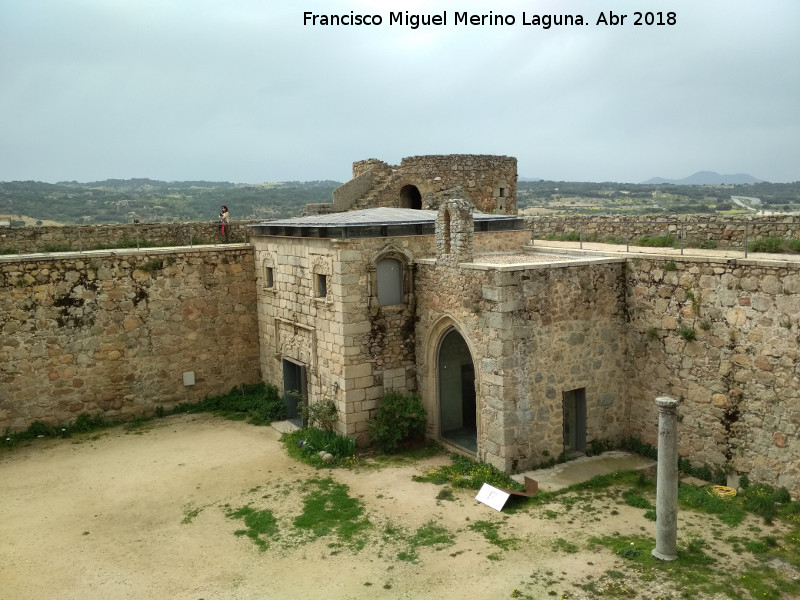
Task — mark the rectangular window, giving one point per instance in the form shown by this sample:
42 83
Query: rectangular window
269 277
321 285
390 282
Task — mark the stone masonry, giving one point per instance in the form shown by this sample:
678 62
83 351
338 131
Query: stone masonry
489 182
113 332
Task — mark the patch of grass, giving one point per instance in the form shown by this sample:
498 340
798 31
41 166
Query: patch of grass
765 500
328 509
687 333
670 266
259 404
635 498
84 423
261 525
562 545
728 511
466 473
445 494
429 534
490 530
190 514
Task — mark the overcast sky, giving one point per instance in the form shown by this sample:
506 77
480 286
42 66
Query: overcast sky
243 91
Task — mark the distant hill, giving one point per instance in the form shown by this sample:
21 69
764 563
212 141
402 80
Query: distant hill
706 178
149 200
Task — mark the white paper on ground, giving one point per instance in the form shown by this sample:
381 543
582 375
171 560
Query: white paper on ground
492 497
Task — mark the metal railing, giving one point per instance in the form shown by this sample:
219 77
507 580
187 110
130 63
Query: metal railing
625 227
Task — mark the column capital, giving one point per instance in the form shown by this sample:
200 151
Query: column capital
666 403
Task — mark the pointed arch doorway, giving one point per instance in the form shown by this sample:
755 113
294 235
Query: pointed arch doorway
458 422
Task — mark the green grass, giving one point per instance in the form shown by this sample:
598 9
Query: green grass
770 243
431 534
259 404
695 572
466 473
260 525
662 241
329 510
305 445
491 531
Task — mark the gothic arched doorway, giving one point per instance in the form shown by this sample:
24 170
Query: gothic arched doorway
458 421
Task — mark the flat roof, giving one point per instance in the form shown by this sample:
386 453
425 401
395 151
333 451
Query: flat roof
376 222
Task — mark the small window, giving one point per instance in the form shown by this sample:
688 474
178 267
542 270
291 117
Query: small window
502 192
390 281
269 277
321 285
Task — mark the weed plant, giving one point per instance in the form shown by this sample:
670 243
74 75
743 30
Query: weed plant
306 444
662 241
771 243
84 423
466 473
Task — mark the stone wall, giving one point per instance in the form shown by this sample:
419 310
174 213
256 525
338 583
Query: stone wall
696 229
114 332
80 238
352 348
489 182
533 333
722 337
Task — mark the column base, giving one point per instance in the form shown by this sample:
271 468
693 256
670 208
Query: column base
665 557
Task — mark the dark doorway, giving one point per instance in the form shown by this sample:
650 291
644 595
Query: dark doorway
458 409
410 197
294 390
574 421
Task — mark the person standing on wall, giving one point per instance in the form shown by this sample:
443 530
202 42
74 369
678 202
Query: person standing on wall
223 219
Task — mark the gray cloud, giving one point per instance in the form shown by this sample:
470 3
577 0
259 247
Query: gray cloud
240 90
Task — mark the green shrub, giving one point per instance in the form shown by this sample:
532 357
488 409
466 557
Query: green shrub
794 245
771 243
320 414
687 333
662 241
316 440
708 245
400 418
40 428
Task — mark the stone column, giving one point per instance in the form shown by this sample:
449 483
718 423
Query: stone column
667 480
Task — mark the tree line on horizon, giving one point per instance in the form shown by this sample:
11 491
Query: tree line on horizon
117 201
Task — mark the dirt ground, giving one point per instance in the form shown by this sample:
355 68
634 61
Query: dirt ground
141 513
